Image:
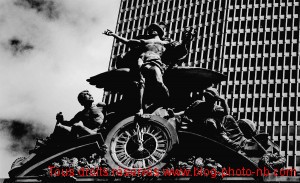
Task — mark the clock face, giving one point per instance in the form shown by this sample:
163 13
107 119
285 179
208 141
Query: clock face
139 145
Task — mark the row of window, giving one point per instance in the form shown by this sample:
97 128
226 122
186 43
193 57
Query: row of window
248 51
169 4
263 75
259 2
270 10
264 36
263 23
273 130
291 147
242 56
248 102
266 62
275 48
247 95
258 56
285 130
157 4
266 117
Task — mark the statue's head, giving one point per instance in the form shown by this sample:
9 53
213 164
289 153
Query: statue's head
211 94
85 98
248 127
157 29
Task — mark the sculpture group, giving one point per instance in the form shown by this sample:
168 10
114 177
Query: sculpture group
165 108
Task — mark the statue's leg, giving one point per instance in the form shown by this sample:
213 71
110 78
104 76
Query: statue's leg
160 86
61 131
141 86
155 85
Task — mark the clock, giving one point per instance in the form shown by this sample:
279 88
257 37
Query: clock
140 142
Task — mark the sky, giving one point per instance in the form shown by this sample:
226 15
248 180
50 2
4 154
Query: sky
48 48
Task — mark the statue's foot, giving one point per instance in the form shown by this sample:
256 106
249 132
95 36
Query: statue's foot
140 113
16 166
18 163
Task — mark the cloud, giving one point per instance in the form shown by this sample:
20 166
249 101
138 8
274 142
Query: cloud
16 139
22 135
45 61
17 46
46 7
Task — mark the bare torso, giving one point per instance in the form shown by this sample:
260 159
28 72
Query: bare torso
153 49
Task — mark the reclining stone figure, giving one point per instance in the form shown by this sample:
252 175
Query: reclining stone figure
214 121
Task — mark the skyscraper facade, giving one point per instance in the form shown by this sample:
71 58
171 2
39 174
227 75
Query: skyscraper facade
255 43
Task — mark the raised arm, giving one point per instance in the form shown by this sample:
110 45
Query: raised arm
188 35
224 105
121 39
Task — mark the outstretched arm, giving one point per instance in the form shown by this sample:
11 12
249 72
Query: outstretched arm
121 39
86 129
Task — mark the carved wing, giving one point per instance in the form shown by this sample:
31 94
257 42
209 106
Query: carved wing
114 80
191 78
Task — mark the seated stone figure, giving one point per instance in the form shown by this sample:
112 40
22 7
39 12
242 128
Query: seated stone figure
85 122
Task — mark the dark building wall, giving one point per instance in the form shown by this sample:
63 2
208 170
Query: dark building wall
255 43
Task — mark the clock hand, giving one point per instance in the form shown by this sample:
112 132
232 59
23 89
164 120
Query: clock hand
140 134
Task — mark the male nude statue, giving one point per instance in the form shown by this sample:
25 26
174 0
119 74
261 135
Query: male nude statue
85 122
149 61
